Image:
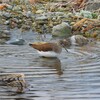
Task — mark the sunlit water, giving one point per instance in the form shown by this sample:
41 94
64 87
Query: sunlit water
74 75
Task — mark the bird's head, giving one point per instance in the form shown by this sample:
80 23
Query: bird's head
64 43
30 44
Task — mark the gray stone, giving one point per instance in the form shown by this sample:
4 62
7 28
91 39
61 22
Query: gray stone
93 5
41 18
86 14
4 34
16 42
6 14
62 30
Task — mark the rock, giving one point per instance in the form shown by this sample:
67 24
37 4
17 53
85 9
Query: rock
6 22
6 14
27 13
39 24
4 36
7 32
86 14
39 11
17 8
62 30
16 42
13 80
9 7
93 5
41 18
98 17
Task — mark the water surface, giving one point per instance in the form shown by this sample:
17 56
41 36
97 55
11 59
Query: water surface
72 76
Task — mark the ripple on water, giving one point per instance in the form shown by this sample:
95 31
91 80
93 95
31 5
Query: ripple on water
72 76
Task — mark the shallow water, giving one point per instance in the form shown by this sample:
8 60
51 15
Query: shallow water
72 76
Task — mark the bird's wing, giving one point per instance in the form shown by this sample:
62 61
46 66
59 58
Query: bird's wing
44 46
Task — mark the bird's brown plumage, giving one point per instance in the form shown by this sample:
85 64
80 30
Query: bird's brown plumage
46 46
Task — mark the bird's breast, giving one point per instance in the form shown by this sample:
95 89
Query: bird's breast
47 53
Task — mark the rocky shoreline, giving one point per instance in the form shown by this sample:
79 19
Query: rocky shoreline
55 18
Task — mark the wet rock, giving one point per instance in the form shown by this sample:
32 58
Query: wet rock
25 28
7 32
16 42
2 41
4 36
62 30
13 80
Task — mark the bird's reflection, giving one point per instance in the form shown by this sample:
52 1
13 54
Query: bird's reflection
22 99
53 63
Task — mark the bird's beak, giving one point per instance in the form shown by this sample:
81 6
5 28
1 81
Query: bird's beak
65 49
63 44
